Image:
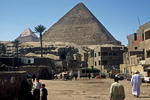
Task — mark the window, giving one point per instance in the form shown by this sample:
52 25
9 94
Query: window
142 37
29 61
147 35
148 54
135 36
104 53
114 54
104 62
110 53
99 53
95 54
95 64
99 62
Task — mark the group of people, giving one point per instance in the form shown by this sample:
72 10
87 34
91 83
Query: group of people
117 91
66 76
38 89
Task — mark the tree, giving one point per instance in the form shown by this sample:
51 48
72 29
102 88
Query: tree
39 29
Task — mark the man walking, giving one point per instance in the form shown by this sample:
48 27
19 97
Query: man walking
117 90
136 82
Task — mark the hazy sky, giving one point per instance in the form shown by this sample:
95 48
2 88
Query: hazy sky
118 16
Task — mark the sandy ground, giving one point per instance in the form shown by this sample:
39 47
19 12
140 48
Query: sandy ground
93 89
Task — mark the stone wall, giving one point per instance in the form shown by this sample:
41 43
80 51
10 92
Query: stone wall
42 72
10 83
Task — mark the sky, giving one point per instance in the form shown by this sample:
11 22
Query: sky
120 17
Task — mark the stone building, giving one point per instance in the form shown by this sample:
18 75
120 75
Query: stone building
108 56
139 41
2 49
138 50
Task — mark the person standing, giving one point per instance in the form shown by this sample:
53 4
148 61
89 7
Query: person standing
44 92
117 90
89 75
36 91
136 83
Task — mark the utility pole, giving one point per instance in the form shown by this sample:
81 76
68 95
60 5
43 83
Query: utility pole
139 20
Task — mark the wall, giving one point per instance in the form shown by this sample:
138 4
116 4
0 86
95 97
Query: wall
10 84
130 69
43 72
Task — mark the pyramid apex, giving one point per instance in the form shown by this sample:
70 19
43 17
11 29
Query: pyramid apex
80 4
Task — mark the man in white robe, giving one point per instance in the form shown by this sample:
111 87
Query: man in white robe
136 83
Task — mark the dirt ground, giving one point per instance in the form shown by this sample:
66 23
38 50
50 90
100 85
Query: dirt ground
93 89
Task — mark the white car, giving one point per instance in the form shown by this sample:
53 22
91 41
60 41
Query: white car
147 79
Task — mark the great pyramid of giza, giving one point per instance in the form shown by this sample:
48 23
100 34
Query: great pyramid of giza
27 36
81 27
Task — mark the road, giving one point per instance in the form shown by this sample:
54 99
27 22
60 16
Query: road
93 89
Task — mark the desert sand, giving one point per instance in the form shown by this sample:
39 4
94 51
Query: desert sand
93 89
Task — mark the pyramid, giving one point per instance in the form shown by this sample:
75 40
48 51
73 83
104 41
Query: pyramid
27 36
81 27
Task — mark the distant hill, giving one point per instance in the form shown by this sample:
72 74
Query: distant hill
27 36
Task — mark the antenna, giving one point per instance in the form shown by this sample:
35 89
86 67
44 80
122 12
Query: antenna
139 20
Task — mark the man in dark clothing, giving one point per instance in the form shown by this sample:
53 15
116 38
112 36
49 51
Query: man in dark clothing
89 75
44 92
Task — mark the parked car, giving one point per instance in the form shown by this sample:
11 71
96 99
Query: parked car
123 76
147 79
120 76
103 75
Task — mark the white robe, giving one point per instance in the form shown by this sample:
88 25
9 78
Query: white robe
136 82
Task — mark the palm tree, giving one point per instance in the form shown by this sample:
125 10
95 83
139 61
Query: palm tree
40 29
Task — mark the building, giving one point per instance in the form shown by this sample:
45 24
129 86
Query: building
108 56
138 50
2 49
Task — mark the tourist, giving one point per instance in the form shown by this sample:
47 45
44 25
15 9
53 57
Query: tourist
36 92
44 92
75 76
136 82
117 90
89 75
